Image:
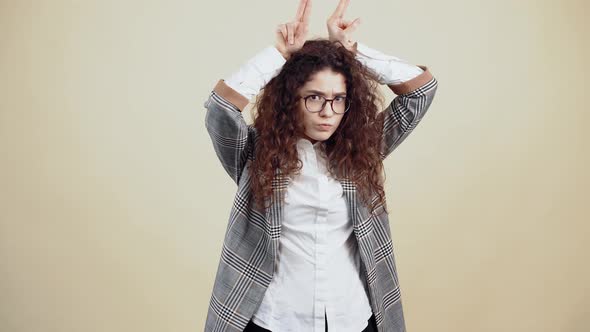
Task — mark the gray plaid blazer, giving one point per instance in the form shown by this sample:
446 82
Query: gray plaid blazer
250 246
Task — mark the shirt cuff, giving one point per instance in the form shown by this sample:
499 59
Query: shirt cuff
253 75
387 69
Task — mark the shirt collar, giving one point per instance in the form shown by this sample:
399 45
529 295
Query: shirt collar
306 144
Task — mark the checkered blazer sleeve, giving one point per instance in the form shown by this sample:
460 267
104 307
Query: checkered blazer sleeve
407 109
232 138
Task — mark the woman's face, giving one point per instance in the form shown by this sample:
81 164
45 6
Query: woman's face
328 84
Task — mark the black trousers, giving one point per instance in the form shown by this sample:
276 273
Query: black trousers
251 327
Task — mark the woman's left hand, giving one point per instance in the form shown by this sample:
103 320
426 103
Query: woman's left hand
340 29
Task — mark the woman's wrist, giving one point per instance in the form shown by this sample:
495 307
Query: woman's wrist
348 44
351 46
283 52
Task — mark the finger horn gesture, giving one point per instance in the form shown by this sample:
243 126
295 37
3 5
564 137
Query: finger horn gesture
340 29
291 36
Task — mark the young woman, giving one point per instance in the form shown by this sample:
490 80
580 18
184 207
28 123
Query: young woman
308 244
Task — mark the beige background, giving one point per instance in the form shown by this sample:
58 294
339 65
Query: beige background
113 206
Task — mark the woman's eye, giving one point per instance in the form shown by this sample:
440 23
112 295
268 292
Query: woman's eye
340 99
314 97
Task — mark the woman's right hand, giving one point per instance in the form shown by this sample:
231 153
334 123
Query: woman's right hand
291 36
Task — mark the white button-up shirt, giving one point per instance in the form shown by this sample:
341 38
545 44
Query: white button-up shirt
318 268
318 271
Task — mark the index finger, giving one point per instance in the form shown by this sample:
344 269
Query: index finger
339 12
301 10
306 12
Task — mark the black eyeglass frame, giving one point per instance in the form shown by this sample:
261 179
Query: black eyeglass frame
324 104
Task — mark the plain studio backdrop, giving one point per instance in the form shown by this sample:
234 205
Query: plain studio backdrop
113 205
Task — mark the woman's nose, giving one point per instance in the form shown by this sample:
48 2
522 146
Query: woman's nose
327 108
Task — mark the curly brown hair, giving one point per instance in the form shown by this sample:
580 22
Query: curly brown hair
353 149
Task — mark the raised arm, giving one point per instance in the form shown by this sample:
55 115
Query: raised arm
414 85
233 140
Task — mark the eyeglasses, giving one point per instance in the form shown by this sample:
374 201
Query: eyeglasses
315 103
